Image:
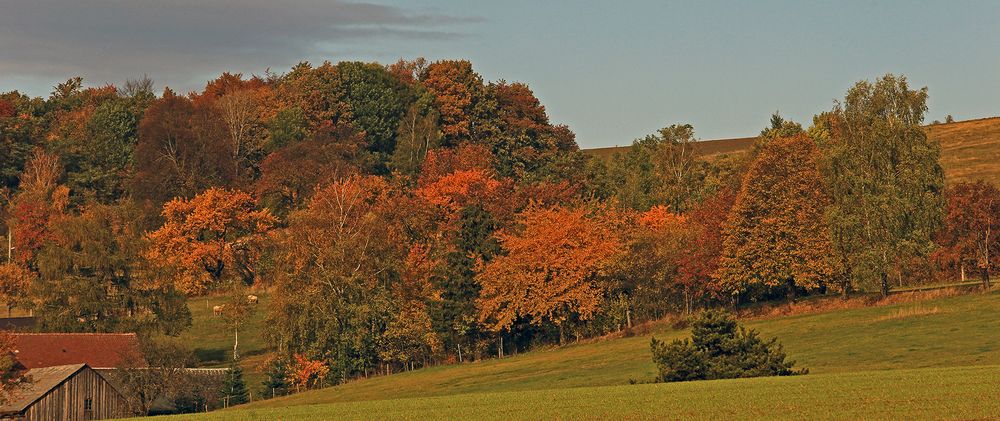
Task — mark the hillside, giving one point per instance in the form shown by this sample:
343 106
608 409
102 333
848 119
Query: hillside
841 348
970 150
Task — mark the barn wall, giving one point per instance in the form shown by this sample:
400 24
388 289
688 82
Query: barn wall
66 402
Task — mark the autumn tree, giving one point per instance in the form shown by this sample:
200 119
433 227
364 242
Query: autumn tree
465 107
315 92
971 231
155 372
699 257
291 174
15 283
337 259
244 113
525 141
12 378
548 271
39 201
885 180
775 235
306 373
214 237
94 277
182 150
639 280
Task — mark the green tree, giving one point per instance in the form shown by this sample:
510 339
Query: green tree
720 348
418 133
885 180
660 169
234 390
277 372
94 277
378 101
455 313
108 152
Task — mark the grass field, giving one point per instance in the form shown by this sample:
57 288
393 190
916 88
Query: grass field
900 359
953 393
212 342
970 150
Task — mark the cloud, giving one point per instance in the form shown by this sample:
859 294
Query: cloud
180 42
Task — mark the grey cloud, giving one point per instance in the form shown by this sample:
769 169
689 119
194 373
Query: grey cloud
180 41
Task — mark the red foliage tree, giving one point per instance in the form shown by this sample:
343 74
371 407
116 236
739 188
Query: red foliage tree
971 232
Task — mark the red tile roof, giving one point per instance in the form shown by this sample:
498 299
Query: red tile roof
98 350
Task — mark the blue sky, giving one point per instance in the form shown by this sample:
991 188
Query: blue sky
613 71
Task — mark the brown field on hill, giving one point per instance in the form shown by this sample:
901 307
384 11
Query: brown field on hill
970 150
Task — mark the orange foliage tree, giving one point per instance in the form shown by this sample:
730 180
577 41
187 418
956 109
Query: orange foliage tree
549 272
216 235
306 373
462 100
775 235
15 282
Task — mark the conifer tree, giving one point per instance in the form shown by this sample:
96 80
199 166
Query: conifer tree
233 387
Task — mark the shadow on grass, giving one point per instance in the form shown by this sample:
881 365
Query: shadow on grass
206 355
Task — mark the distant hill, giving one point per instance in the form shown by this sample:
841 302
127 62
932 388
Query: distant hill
970 150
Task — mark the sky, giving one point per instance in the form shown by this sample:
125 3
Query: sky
613 71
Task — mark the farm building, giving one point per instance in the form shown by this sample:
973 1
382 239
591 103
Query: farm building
100 351
66 392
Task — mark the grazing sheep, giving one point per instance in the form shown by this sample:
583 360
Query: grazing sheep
218 309
252 299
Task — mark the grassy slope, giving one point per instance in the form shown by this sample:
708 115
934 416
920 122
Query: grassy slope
212 341
588 379
970 150
958 393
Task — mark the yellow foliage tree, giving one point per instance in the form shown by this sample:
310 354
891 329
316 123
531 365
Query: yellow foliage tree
775 235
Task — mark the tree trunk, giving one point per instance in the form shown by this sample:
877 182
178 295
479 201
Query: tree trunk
885 285
687 301
236 343
791 290
562 335
628 316
986 277
962 269
500 348
459 352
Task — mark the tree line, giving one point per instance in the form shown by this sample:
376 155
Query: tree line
408 214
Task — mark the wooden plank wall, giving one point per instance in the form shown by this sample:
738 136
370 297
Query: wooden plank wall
66 402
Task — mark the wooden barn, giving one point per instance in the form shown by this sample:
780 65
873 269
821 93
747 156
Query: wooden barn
66 393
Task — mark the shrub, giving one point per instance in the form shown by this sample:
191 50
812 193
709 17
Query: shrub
720 349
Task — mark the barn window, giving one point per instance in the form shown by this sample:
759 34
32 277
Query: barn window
88 404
